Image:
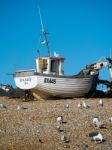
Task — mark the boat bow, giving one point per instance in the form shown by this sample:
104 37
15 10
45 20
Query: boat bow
25 79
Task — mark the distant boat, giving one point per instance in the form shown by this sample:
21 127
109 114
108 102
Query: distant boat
110 67
5 87
48 77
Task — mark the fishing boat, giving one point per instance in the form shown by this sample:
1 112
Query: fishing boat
48 78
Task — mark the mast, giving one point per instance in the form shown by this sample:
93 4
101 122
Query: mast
45 41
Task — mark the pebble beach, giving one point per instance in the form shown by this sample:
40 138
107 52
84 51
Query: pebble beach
32 125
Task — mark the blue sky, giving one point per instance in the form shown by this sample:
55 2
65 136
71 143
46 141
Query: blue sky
79 30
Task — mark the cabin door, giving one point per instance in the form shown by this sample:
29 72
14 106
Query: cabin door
55 66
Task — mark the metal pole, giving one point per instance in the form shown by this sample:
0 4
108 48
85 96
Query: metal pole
44 33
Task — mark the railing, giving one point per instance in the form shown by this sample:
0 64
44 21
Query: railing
23 73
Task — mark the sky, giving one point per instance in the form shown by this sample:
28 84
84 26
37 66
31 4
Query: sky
79 30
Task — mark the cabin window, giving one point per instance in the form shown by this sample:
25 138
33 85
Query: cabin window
43 64
54 66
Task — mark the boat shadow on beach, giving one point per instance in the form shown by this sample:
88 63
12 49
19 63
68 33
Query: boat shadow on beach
17 93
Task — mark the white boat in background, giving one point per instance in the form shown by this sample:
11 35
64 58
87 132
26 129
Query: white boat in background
5 87
48 78
110 67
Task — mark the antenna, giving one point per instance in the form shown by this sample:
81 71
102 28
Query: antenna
41 19
38 52
45 41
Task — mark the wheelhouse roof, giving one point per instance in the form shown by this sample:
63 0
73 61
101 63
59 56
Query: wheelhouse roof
52 58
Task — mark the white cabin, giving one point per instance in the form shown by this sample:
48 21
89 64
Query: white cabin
50 65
